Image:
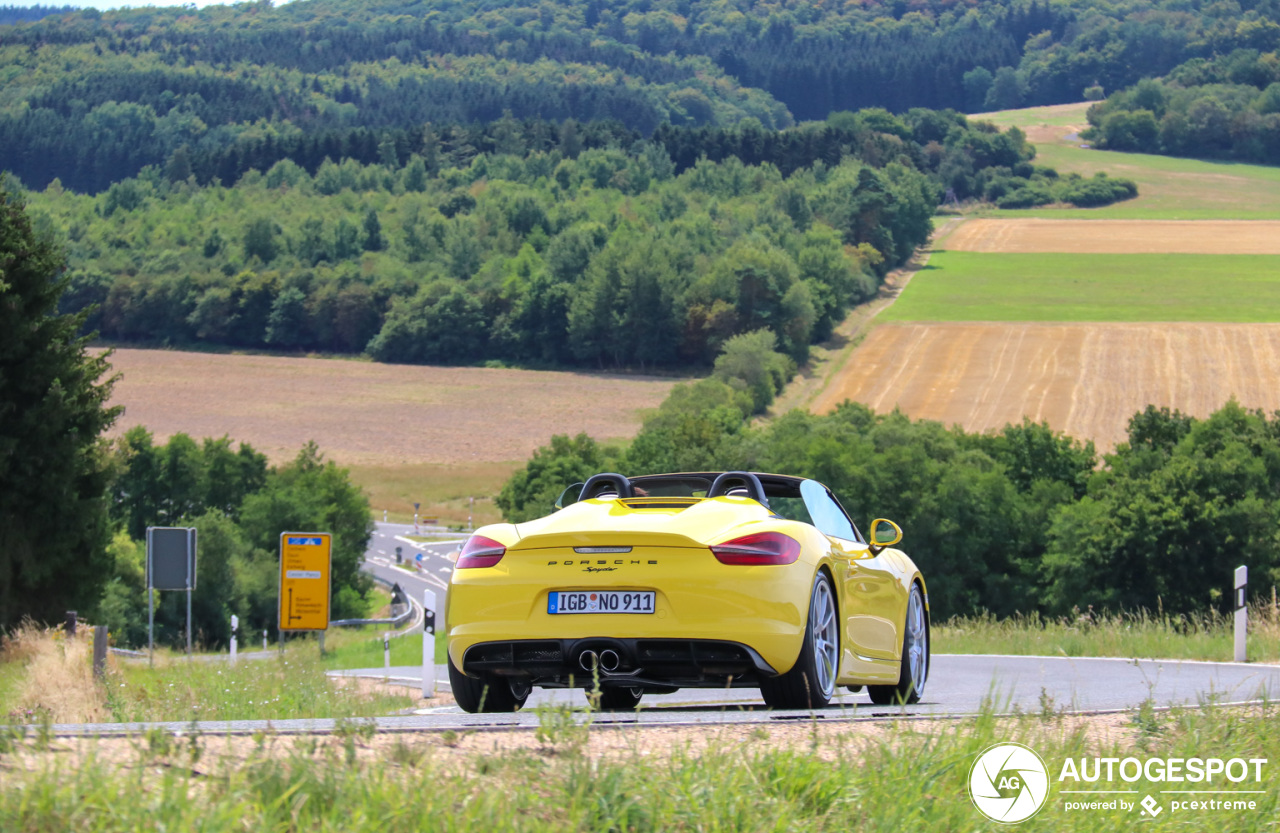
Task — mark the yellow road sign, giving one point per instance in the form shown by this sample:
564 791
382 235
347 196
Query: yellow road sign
304 580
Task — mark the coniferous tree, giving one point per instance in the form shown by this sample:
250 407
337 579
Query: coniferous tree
53 410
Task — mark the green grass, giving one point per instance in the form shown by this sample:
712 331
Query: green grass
973 286
363 648
292 685
443 492
1207 637
1169 188
11 675
907 777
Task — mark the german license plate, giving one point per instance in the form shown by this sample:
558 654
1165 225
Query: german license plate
600 601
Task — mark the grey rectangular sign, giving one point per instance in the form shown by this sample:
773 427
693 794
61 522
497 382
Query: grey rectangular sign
171 557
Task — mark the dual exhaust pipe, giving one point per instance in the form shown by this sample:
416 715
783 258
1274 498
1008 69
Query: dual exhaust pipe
607 660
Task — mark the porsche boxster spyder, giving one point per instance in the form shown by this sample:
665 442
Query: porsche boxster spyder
646 585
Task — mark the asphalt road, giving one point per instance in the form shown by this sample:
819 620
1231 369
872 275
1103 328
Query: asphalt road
433 570
958 685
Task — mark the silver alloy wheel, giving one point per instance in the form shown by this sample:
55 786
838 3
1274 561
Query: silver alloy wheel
825 636
917 642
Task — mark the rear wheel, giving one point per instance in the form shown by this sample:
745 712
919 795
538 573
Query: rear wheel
620 698
812 680
915 658
487 694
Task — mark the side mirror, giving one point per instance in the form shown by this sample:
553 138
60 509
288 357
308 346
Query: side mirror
882 537
569 495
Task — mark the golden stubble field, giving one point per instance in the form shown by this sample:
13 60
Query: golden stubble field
1036 234
1086 380
361 413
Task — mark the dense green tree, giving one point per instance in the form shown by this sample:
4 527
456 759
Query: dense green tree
751 358
532 491
373 240
53 410
1172 519
312 494
260 240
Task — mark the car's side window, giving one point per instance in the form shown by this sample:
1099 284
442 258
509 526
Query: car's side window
827 515
791 508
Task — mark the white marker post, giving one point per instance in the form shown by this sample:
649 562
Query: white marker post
386 653
235 623
1242 611
428 644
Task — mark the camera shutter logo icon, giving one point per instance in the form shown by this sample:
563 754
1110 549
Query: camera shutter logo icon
1009 783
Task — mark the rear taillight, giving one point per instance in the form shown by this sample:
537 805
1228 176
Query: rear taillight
757 549
479 551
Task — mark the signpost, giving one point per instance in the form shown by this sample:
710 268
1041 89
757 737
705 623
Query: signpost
1242 612
305 559
171 565
428 644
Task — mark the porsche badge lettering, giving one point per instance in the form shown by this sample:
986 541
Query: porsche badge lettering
587 566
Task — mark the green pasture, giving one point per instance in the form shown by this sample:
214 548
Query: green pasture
974 286
1169 188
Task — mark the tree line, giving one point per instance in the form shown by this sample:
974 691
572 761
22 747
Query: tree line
1019 520
1226 108
91 98
239 506
561 246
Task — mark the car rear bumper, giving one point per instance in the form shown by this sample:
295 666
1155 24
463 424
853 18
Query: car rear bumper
656 665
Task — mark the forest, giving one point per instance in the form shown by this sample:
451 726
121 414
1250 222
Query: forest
91 98
1224 108
560 245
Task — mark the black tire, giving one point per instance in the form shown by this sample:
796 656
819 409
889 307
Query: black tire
914 671
807 685
620 698
489 694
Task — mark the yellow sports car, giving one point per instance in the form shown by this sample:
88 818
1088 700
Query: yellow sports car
697 580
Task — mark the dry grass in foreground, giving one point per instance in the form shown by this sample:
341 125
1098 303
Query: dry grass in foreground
367 414
56 685
57 681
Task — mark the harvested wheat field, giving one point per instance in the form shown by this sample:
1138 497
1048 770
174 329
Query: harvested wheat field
1210 237
1086 380
362 413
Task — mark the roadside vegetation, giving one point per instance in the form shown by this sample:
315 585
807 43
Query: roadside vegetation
1207 636
571 776
239 506
49 679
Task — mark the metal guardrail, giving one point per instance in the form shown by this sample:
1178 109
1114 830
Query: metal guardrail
398 599
394 622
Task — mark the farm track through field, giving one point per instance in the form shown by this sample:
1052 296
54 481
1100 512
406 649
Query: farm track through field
1241 237
362 413
1086 380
